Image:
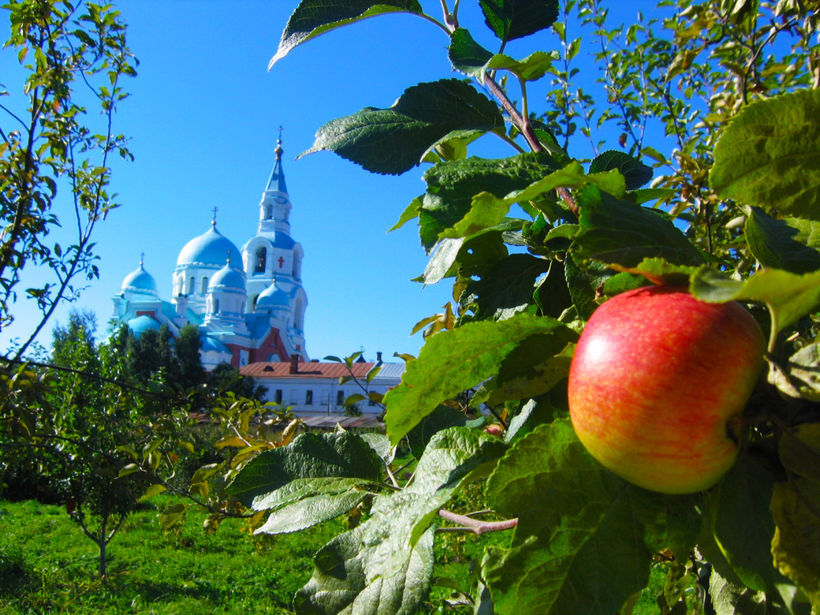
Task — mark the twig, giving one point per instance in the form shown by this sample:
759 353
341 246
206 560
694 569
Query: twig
468 524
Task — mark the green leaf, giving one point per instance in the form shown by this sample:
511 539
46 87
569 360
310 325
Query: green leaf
800 451
731 599
385 564
393 140
506 286
314 17
531 68
453 361
804 372
620 233
742 525
464 195
659 271
769 155
511 19
584 538
634 171
788 296
337 454
310 511
532 369
439 419
467 55
796 543
773 244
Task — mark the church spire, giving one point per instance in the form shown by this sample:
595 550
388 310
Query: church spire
276 183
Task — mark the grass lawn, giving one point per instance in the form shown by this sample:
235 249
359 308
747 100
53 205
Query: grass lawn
48 566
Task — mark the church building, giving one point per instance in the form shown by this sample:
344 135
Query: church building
249 304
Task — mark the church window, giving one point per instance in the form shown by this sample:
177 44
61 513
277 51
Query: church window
216 306
253 302
340 398
191 283
204 285
261 257
308 397
269 212
278 396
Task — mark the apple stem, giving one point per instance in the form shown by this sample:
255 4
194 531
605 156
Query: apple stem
468 524
774 330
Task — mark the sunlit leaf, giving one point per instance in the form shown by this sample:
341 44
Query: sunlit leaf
511 19
394 140
769 155
453 361
314 17
773 243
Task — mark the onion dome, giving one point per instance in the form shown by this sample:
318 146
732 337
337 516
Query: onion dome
228 277
272 297
209 249
141 324
140 282
211 344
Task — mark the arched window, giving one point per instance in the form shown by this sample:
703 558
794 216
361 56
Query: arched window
204 284
261 257
268 211
191 283
216 306
253 302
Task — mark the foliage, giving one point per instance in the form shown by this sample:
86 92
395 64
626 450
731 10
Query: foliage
72 58
717 101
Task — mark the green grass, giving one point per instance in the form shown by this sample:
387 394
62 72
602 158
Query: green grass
48 566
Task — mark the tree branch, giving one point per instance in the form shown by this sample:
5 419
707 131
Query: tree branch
468 524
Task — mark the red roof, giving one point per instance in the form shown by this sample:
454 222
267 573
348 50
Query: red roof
266 369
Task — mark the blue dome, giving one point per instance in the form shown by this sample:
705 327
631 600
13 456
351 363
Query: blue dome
209 249
210 344
140 282
228 277
272 297
141 324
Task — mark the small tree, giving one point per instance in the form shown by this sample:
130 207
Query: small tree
51 151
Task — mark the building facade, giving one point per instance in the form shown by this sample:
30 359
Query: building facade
249 304
314 388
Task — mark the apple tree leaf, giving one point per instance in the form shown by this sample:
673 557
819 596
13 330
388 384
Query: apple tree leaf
634 171
774 244
506 286
314 17
338 454
385 565
788 296
511 19
742 525
450 207
310 511
620 233
393 140
585 537
796 543
659 271
472 59
453 361
769 155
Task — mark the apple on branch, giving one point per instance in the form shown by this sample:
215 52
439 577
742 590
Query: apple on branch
658 381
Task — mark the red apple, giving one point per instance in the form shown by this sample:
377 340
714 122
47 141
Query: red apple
656 380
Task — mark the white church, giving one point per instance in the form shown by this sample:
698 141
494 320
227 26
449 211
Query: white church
249 305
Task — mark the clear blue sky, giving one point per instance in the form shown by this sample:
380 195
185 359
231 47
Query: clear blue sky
203 116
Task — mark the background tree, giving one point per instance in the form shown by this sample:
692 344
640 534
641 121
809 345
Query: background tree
53 149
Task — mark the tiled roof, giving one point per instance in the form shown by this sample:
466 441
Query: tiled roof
265 369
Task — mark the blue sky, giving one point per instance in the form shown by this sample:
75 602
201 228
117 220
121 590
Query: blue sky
203 117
